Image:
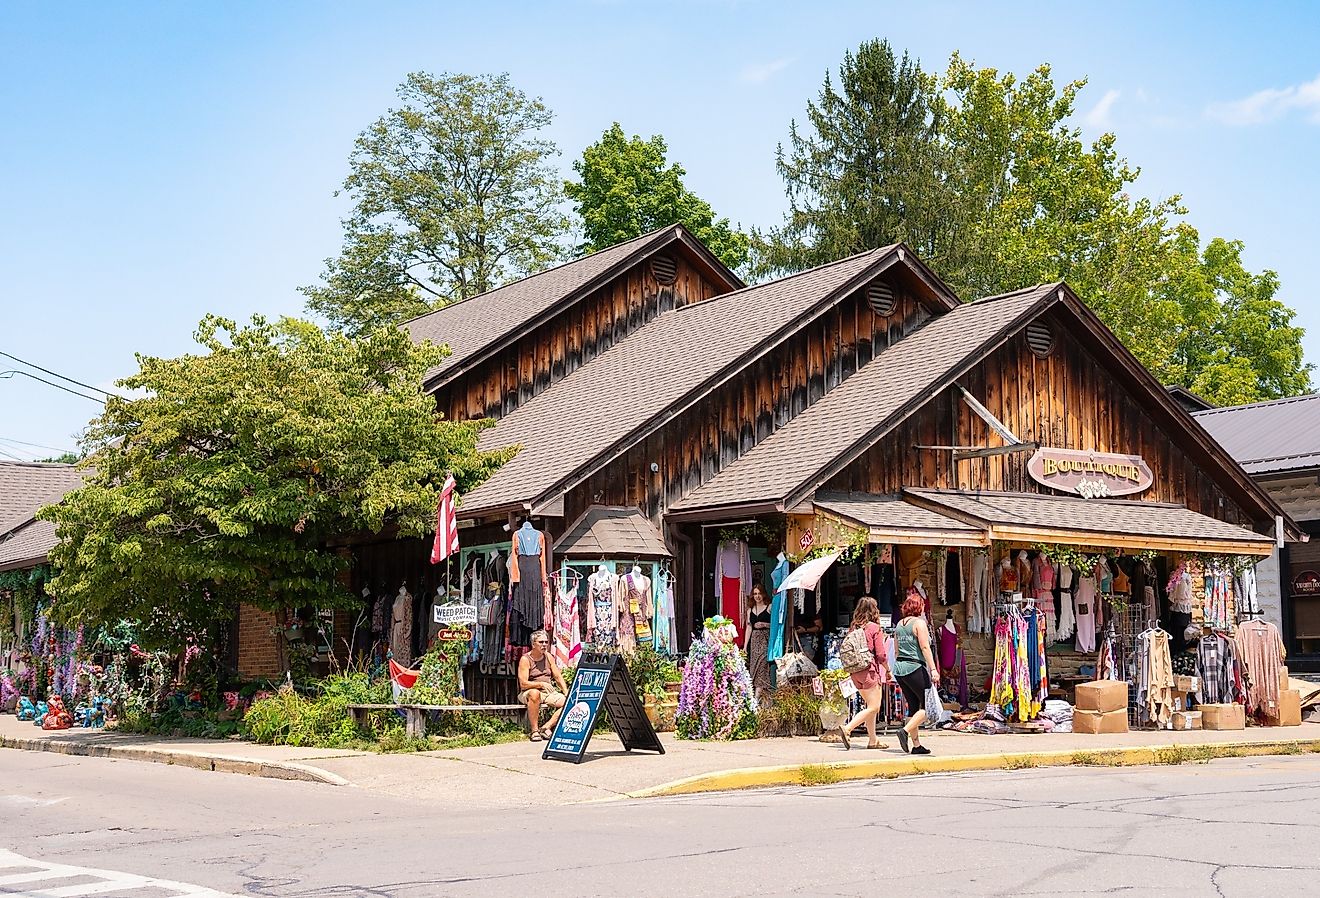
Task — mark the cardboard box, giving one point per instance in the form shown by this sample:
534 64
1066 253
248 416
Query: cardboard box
1187 720
1283 678
1179 701
1093 722
1290 708
1102 696
1186 684
1223 717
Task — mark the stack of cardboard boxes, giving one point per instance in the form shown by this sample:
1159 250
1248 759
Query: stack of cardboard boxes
1184 718
1290 702
1101 707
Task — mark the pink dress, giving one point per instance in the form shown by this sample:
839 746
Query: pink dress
870 677
1044 577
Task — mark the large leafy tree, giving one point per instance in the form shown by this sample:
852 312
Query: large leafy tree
628 188
997 190
223 483
453 194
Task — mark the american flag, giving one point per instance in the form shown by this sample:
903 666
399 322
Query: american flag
446 523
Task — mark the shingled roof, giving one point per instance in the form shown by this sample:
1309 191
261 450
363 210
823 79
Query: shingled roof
611 531
1269 437
867 405
1103 519
653 374
24 488
472 327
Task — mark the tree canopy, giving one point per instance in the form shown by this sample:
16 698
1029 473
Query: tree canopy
454 193
225 481
983 175
628 188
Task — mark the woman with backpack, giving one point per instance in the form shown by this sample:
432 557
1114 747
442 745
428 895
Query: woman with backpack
862 655
915 669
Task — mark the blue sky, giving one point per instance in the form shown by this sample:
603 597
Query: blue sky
164 161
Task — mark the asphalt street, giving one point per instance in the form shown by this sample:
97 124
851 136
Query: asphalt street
76 826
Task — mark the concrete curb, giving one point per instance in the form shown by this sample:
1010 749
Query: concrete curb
892 768
280 770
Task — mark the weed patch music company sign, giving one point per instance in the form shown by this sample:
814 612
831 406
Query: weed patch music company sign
1093 475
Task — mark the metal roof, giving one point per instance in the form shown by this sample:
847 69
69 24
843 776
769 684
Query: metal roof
1269 437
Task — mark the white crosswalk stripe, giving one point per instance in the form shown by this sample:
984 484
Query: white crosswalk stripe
38 878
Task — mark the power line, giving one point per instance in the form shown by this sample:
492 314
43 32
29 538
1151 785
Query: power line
18 444
8 374
60 376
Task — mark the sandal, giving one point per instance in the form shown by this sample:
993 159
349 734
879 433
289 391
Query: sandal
843 736
878 745
546 733
536 736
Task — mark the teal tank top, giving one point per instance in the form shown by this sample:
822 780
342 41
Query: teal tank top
907 650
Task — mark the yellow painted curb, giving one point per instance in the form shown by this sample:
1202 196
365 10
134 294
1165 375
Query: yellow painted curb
892 768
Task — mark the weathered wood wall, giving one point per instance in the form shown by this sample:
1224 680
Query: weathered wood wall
1064 400
570 339
697 444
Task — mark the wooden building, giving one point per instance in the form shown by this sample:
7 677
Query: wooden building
860 399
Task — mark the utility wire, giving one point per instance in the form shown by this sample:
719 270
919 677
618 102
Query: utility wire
60 376
8 374
35 445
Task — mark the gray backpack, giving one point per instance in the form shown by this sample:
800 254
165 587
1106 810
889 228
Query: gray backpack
855 653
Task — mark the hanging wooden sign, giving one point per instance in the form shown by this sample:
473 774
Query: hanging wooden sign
1307 583
1093 475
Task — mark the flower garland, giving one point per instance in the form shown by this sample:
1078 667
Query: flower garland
716 700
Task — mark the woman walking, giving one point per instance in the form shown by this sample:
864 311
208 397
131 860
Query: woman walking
915 670
758 642
867 680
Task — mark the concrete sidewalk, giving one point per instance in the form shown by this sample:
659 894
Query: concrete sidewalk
514 775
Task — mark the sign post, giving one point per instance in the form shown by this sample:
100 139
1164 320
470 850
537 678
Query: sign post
601 680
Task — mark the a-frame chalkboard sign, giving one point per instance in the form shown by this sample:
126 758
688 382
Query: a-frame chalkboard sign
601 681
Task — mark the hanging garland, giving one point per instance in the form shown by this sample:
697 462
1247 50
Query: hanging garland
759 532
20 593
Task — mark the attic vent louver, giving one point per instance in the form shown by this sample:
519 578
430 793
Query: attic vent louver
1040 338
881 298
664 269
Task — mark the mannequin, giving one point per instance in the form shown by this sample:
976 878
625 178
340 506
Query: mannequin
948 646
1008 576
1067 620
1025 573
401 622
635 610
1043 578
778 609
602 608
1085 606
530 584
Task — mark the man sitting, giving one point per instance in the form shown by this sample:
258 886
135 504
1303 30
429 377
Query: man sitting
538 677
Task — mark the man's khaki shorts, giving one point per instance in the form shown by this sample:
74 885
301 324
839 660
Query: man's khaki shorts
551 698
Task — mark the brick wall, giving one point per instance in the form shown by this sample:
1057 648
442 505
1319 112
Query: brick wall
259 655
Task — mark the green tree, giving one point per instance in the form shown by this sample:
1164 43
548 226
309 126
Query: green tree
1236 342
225 481
998 191
865 173
627 189
453 194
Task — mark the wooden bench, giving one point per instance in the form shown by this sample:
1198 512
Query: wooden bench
415 715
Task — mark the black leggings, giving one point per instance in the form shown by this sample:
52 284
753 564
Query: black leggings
914 686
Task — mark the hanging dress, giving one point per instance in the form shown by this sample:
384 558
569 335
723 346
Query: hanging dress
568 629
1084 603
602 610
1043 575
1067 612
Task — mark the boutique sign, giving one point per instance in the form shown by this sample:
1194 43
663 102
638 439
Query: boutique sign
1093 475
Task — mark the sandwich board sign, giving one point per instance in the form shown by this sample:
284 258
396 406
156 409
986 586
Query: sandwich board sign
601 681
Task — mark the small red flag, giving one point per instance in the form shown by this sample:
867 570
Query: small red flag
446 523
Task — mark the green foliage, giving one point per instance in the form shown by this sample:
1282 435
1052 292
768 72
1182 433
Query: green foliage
981 173
287 718
627 190
453 194
20 593
224 481
650 671
865 172
176 722
438 681
789 711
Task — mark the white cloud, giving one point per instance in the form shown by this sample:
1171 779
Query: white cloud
1098 118
1270 105
759 74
